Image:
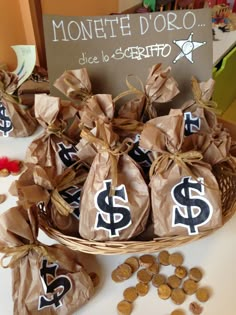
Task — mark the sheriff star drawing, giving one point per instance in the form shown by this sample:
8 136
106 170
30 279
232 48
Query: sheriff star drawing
187 47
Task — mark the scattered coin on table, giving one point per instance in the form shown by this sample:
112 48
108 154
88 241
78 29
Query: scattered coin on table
195 274
190 286
3 197
195 308
130 294
175 286
142 288
202 294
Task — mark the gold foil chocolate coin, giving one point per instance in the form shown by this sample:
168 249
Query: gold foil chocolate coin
195 274
164 291
195 308
4 172
177 312
190 286
181 272
202 294
146 260
158 279
142 288
164 257
130 294
173 281
124 308
144 276
121 273
133 262
176 259
154 268
178 296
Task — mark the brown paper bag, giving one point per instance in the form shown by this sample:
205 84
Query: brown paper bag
75 84
45 279
60 195
159 88
15 120
215 146
115 197
185 195
55 147
200 113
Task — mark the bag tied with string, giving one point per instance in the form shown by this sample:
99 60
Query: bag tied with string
55 146
185 195
46 280
15 119
115 198
200 113
58 195
159 89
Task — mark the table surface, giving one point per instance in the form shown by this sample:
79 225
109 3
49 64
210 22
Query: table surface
223 44
215 255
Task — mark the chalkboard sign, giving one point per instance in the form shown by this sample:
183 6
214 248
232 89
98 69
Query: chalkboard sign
114 46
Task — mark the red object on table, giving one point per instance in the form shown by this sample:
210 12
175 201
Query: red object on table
11 166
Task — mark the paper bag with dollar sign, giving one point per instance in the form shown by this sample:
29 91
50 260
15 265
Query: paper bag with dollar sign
200 113
185 195
115 198
59 196
47 280
15 120
55 146
159 88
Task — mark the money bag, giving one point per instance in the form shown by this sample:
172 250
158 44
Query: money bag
58 196
185 195
200 113
115 198
15 120
46 280
55 146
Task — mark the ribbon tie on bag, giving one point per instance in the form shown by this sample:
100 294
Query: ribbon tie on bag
18 252
59 131
198 97
129 125
69 178
104 146
8 97
76 93
132 90
181 158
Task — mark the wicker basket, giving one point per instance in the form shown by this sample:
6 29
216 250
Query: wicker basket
227 183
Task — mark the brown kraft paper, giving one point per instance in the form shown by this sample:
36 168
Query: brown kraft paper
55 147
159 88
60 195
185 196
115 197
15 121
45 279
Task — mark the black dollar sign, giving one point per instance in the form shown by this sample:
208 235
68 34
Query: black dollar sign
190 123
72 196
140 155
5 121
181 194
67 154
105 203
59 282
